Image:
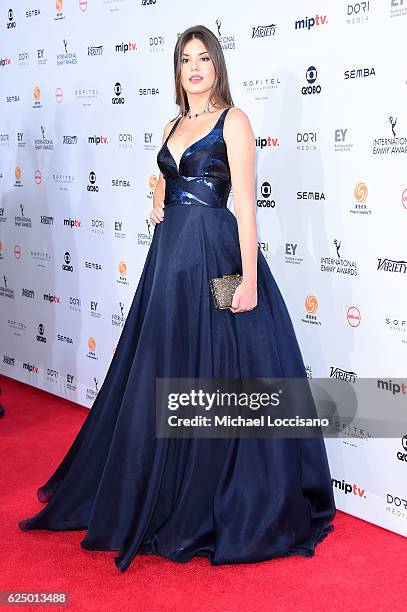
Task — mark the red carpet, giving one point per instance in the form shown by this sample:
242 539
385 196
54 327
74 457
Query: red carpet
358 567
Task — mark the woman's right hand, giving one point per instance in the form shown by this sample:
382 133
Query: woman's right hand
157 214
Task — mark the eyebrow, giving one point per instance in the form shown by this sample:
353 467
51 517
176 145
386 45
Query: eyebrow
198 53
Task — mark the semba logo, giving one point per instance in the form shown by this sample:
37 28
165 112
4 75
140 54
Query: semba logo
348 488
403 456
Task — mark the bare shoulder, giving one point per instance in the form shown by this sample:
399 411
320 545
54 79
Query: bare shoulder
237 125
167 127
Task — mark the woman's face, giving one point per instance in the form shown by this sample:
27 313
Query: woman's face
197 69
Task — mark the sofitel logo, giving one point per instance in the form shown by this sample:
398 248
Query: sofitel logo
391 265
264 31
266 201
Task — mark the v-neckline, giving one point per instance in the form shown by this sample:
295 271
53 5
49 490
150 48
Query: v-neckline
193 143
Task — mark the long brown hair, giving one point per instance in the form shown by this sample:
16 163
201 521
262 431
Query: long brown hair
220 93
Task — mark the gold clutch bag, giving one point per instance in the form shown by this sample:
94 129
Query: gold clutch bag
223 289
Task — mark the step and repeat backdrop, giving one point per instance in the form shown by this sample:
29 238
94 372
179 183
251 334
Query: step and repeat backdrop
86 88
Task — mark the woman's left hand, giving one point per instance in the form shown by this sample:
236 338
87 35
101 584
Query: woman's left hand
244 298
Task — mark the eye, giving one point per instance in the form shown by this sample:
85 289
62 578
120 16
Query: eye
206 57
183 60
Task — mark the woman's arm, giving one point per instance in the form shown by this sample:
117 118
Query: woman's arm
157 214
241 148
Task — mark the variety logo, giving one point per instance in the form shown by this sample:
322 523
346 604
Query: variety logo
264 31
92 51
391 265
345 375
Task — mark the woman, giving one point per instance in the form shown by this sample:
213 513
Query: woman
232 500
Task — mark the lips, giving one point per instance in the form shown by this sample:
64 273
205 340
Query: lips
195 79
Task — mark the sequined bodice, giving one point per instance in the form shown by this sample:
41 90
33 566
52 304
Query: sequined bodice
203 176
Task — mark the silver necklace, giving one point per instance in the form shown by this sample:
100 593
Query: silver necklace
189 115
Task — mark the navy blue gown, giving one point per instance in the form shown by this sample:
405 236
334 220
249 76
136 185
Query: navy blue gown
232 500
